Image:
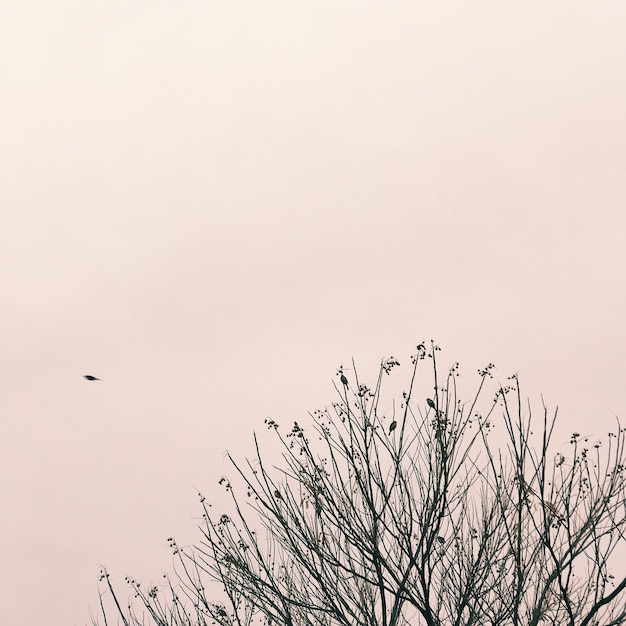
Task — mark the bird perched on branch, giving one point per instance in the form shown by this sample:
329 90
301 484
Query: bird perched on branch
344 380
88 377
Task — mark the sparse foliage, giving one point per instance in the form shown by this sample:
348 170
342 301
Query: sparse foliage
421 512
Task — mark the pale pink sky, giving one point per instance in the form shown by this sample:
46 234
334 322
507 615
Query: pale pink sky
211 205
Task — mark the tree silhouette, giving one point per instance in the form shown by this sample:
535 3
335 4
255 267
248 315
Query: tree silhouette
457 515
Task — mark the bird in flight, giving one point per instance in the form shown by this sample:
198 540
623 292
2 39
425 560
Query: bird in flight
88 377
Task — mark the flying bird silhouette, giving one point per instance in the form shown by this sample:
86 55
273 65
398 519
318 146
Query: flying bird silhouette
88 377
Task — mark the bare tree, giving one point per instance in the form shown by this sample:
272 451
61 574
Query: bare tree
408 513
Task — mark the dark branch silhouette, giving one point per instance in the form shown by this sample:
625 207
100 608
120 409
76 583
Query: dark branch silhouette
394 513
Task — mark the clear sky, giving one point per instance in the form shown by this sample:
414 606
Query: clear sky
211 205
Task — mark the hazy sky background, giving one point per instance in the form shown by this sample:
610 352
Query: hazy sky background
212 205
